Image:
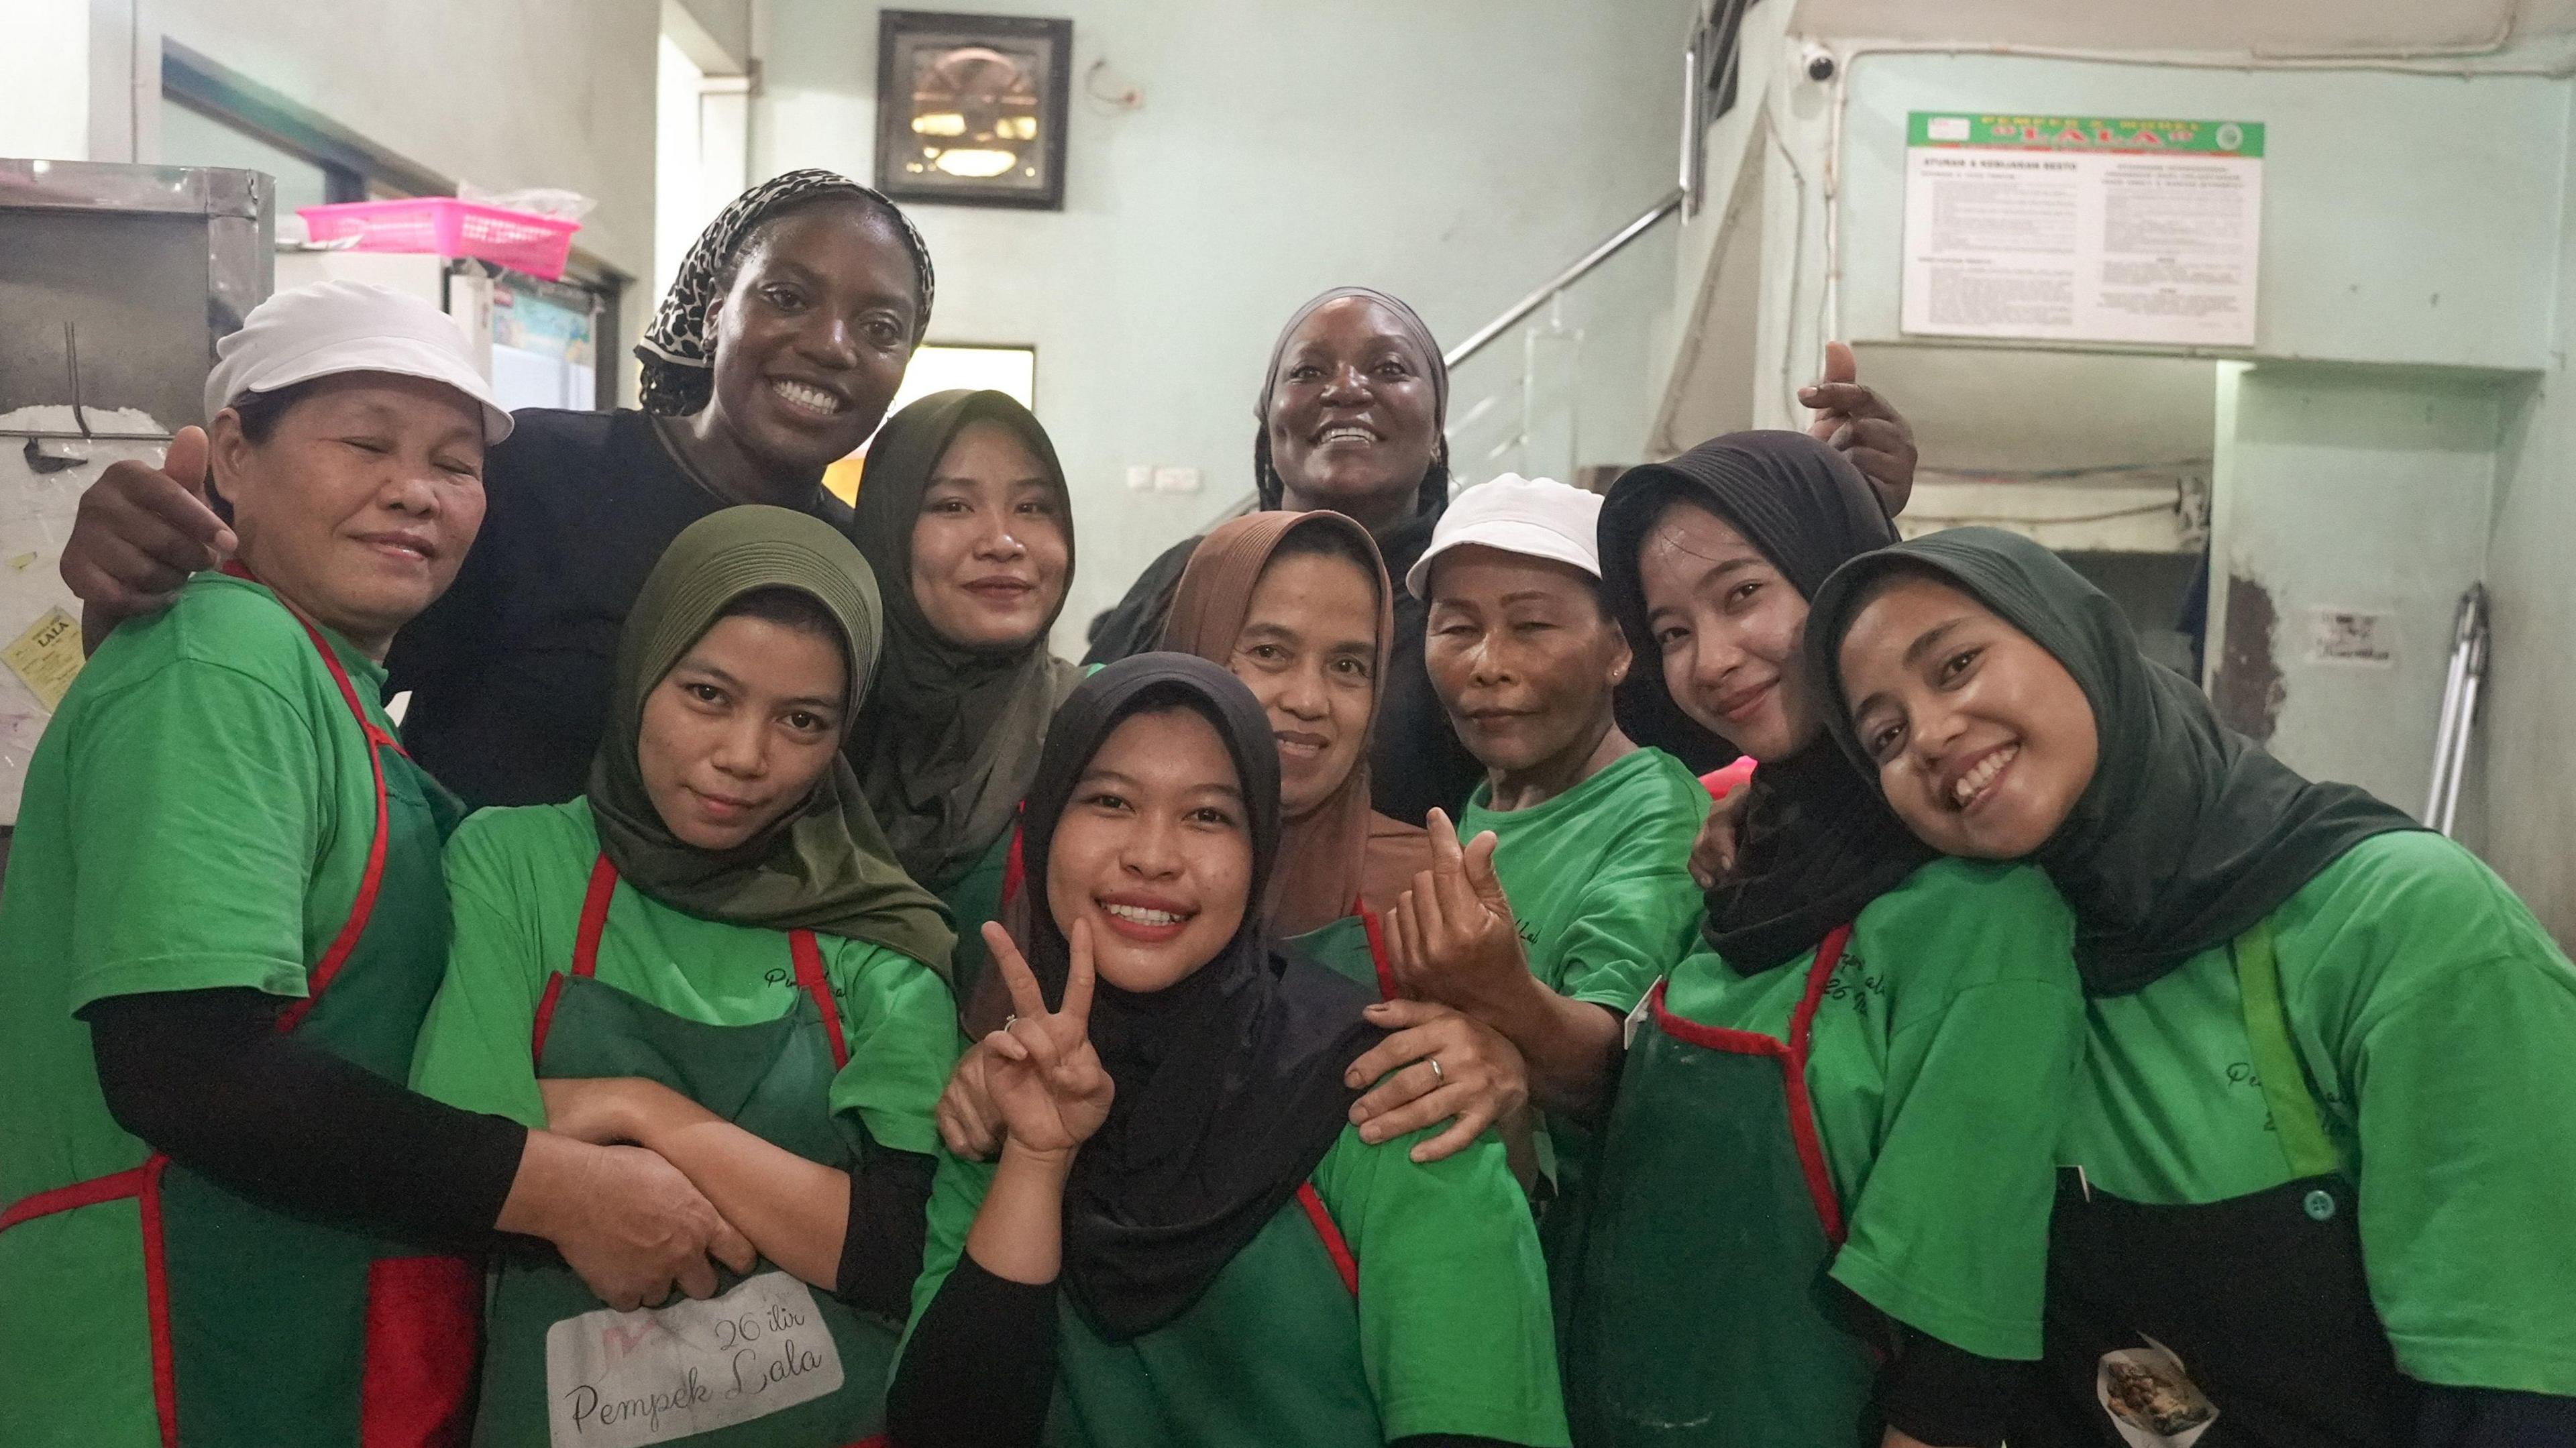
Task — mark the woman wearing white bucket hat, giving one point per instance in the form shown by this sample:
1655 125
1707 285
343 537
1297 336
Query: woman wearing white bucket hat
1561 892
223 923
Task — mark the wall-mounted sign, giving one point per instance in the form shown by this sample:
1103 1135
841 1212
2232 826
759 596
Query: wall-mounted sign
2082 228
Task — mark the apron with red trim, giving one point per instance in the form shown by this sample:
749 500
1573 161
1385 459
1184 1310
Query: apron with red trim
768 1360
1271 1353
266 1330
1353 947
1702 1312
2242 1323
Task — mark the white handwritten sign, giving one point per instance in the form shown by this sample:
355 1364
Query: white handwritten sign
625 1379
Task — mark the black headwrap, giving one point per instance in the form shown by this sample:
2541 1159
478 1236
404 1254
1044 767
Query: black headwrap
1819 842
1433 494
1229 1082
2189 833
677 354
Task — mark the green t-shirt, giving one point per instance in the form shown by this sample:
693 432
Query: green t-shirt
2436 1022
198 816
1940 1059
515 879
1599 876
1449 1332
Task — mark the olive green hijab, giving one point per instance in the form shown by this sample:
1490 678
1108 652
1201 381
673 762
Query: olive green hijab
950 739
2189 834
824 867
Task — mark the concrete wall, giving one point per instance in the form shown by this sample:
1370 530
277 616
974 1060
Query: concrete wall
2351 489
1454 152
2527 737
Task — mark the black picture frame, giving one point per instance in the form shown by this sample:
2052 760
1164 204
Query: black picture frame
1032 56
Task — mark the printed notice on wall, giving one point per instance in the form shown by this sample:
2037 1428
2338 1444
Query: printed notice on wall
2082 229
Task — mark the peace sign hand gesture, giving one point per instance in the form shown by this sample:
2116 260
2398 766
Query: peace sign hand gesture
1046 1082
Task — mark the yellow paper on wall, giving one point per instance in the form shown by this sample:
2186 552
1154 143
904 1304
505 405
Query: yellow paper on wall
47 656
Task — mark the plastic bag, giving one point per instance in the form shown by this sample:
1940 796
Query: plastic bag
538 200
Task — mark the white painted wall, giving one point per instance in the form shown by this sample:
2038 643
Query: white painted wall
1454 152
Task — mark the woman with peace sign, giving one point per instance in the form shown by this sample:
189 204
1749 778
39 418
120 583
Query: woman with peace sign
1237 1265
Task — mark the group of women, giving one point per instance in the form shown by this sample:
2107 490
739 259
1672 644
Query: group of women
1348 1055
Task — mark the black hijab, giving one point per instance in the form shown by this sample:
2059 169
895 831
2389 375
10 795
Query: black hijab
2189 833
1229 1082
1819 842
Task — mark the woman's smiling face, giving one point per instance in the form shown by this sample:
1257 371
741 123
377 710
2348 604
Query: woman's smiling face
742 728
1727 626
1154 850
1308 652
1982 739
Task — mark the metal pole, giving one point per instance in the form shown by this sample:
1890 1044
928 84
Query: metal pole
2474 640
2444 732
1566 278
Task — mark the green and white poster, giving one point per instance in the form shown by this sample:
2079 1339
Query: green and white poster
2082 228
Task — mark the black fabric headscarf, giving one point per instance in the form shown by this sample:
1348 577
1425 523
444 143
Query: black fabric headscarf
1819 842
1229 1082
677 353
948 742
2189 833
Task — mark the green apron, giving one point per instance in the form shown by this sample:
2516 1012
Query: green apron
972 899
1353 947
1703 1315
266 1330
766 1361
1270 1330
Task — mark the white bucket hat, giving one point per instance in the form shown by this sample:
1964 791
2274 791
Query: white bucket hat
333 327
1535 517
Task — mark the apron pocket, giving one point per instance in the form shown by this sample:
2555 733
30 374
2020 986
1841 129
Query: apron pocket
626 1379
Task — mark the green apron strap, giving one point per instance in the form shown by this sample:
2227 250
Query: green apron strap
2296 1121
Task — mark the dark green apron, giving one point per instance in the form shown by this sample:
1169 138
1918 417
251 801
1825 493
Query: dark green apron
1353 947
561 1368
1702 1312
2244 1323
270 1331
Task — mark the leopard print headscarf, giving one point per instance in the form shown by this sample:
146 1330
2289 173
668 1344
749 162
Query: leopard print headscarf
677 353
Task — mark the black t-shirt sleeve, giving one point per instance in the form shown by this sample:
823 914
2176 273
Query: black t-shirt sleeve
979 1371
2494 1418
1947 1396
1416 763
1135 624
881 1250
206 1077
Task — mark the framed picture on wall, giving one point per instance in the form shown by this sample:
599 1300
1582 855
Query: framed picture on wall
971 108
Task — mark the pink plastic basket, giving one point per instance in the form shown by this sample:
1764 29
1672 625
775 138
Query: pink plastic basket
537 245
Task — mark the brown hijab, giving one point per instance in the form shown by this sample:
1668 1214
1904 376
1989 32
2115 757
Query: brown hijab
1339 851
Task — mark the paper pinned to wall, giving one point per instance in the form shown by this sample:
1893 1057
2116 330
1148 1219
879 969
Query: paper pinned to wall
37 503
47 657
2082 228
